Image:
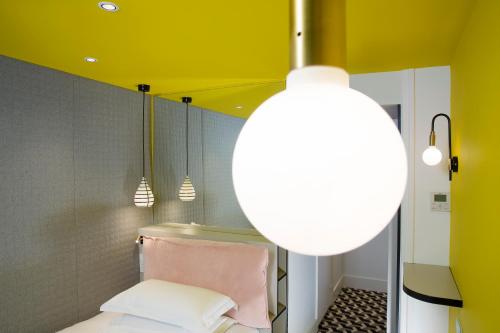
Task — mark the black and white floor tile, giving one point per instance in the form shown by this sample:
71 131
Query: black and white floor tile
356 310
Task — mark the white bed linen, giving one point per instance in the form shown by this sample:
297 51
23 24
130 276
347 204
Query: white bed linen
196 309
101 324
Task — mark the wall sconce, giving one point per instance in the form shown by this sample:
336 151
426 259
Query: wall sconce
432 155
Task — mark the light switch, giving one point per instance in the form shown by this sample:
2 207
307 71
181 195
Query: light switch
440 201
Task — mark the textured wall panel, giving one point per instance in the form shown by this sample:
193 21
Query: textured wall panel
221 206
70 161
170 162
108 164
211 143
37 253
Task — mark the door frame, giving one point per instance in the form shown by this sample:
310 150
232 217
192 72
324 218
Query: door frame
398 88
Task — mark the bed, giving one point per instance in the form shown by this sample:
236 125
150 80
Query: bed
101 324
106 322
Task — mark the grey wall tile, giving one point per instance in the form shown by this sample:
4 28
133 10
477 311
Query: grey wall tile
37 257
108 165
70 162
221 206
170 162
211 144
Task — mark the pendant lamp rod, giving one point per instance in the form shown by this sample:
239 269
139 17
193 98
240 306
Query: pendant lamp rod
317 33
186 191
187 100
144 88
143 157
143 195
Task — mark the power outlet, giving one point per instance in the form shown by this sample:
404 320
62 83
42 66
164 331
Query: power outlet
458 326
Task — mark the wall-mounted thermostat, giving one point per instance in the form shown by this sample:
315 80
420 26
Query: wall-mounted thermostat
440 201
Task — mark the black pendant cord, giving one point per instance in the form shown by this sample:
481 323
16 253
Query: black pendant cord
453 160
144 88
143 157
187 138
187 100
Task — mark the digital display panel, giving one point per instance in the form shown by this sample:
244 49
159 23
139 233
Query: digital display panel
440 197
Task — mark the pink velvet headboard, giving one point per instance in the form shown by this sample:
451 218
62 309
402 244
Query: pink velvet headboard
234 269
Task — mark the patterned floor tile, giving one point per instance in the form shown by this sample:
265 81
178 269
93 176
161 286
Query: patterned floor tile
356 310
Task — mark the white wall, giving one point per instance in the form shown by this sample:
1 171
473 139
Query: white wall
330 273
432 230
425 234
325 285
366 266
338 273
311 285
302 291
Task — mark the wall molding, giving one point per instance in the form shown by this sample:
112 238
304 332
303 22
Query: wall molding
363 282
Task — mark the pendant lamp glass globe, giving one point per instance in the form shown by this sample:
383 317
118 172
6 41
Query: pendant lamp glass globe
319 168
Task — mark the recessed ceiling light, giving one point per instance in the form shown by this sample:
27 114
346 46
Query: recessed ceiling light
90 59
238 107
108 6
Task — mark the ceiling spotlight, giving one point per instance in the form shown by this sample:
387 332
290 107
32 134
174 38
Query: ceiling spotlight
108 6
90 59
239 107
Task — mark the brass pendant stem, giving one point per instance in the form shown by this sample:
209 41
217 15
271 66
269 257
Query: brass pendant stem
432 138
317 33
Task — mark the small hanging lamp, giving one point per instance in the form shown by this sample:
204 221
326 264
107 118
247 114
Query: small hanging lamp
186 192
143 196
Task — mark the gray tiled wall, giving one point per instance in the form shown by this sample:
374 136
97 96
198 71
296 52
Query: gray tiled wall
70 161
221 206
211 143
170 163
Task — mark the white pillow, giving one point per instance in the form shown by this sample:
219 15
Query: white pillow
132 324
196 309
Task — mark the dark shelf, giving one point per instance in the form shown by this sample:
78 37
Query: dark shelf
281 309
431 284
281 274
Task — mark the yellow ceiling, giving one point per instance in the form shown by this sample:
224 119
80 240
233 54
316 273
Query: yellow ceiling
226 54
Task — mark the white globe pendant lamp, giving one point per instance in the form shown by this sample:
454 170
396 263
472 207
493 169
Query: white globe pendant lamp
143 195
319 168
186 191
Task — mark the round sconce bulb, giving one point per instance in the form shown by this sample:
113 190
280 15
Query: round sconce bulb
432 156
319 168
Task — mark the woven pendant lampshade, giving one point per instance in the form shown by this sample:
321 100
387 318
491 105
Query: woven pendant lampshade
186 191
143 196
